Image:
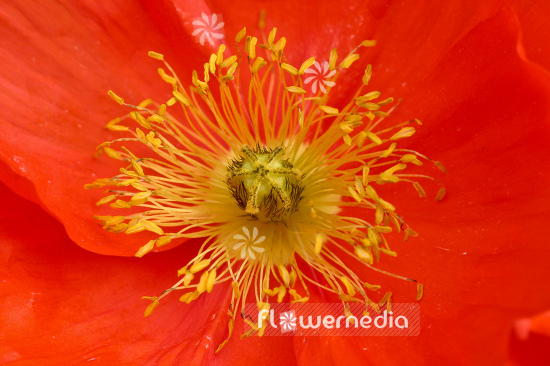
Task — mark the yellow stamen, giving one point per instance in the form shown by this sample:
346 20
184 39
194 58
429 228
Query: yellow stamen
197 267
289 68
151 306
369 43
165 77
240 36
145 249
328 110
419 291
156 55
107 199
115 97
367 77
295 89
440 194
332 60
306 65
404 132
219 55
318 243
349 60
163 240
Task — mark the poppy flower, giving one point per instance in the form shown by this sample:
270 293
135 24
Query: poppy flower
482 96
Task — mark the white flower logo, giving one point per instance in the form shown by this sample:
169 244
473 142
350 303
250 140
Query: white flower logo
287 321
249 244
319 76
206 30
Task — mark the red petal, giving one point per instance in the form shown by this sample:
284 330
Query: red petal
531 341
310 28
533 17
481 253
174 20
54 101
411 37
61 305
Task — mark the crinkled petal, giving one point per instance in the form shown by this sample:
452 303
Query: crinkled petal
54 102
61 305
482 253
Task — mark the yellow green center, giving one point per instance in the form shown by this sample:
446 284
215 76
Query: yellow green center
263 184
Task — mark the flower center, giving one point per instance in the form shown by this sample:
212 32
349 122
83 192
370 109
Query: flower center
298 192
264 185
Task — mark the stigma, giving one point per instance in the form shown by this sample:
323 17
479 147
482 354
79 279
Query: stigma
263 184
265 172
